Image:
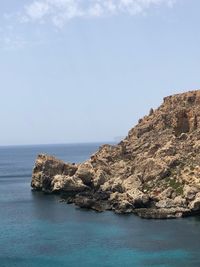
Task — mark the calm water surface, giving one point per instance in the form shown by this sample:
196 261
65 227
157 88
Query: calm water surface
38 231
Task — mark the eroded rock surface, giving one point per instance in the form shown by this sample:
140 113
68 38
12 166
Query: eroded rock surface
154 172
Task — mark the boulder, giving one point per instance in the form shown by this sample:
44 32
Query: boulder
85 172
67 184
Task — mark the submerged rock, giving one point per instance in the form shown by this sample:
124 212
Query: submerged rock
154 172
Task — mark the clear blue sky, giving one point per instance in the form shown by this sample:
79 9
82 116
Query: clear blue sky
81 71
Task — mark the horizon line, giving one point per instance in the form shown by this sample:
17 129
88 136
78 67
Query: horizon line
60 144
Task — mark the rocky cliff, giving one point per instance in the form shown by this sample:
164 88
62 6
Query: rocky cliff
154 172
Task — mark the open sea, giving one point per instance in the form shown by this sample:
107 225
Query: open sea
38 231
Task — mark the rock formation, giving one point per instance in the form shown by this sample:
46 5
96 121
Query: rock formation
154 172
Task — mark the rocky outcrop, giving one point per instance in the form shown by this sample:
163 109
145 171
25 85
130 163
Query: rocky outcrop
154 172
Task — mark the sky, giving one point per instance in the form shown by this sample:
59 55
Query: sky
75 71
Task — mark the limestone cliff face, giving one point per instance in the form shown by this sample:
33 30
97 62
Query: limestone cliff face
154 172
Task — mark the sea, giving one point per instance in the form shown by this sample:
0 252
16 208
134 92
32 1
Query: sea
36 230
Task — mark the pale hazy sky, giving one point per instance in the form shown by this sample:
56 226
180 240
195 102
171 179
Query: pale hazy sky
87 70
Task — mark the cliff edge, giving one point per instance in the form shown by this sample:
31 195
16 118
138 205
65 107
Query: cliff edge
154 172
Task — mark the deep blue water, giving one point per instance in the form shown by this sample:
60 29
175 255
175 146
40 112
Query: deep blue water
38 231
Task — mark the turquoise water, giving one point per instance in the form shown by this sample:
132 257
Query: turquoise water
38 231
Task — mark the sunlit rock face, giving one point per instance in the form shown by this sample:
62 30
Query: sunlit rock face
154 172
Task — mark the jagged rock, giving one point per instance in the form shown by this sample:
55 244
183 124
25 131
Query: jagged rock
91 202
162 213
190 192
99 179
84 202
180 202
167 193
67 184
195 204
154 172
85 172
45 170
151 112
166 203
